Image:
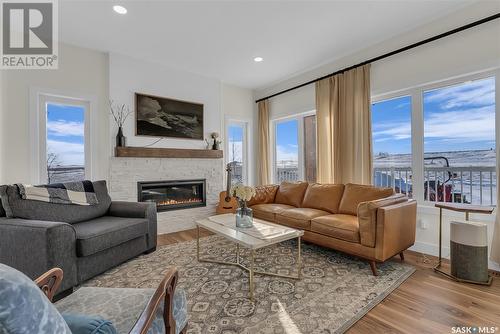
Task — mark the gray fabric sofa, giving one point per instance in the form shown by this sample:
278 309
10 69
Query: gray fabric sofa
83 241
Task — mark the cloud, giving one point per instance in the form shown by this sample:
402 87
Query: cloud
285 152
474 94
67 153
392 130
63 128
475 124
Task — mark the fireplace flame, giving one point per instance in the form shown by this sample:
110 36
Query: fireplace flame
182 201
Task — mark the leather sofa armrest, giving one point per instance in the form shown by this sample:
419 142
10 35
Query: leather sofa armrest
138 210
396 229
367 216
35 246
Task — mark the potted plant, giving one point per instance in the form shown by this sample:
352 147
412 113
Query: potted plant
244 214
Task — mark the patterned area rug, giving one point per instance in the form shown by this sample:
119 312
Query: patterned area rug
336 290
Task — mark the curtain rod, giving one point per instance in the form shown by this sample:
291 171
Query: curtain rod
392 53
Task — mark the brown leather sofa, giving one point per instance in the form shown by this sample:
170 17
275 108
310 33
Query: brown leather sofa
369 222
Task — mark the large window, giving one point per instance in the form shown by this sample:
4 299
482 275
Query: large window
295 148
438 142
60 138
459 143
65 153
236 139
392 158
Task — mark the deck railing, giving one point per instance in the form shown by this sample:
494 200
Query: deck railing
287 174
473 185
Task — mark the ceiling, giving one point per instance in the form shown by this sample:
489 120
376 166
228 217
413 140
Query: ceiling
220 39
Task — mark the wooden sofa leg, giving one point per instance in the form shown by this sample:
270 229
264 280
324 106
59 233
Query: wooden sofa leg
402 256
373 266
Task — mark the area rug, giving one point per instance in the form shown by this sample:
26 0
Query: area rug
336 290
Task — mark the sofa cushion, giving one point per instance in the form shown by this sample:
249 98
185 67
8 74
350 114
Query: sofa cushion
339 226
268 211
264 194
299 217
291 193
105 232
85 324
67 213
324 197
2 211
357 193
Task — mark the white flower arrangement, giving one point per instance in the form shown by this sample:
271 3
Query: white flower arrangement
243 193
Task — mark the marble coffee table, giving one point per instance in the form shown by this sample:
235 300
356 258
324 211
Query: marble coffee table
262 234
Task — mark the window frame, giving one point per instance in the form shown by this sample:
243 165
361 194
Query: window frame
300 140
416 94
39 98
245 124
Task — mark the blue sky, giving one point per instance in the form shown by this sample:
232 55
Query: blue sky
65 134
460 117
287 146
235 138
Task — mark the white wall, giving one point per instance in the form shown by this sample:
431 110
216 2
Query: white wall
468 52
81 71
128 76
238 104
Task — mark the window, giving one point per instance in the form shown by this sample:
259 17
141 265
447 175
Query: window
437 142
60 137
65 153
459 143
287 151
236 133
392 158
295 148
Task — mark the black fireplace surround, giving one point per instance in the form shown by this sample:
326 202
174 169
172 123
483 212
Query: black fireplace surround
173 194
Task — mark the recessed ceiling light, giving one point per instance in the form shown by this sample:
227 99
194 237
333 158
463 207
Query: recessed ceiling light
120 9
258 59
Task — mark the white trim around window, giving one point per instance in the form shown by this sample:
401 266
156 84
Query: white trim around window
300 140
417 126
39 97
246 124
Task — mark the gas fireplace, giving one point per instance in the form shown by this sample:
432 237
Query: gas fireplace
173 194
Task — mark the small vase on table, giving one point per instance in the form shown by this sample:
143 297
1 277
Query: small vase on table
244 215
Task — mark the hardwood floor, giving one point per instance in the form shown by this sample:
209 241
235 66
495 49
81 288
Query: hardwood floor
426 302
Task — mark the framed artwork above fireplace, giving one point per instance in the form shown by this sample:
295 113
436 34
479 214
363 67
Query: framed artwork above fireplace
165 117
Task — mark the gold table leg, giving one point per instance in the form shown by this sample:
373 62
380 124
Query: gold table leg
251 270
198 243
299 259
251 282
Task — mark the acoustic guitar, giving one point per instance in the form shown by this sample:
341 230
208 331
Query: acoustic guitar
227 203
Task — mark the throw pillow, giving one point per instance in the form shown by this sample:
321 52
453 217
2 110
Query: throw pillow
4 203
84 324
24 308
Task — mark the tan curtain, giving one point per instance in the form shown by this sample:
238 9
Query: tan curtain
344 152
263 154
495 244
